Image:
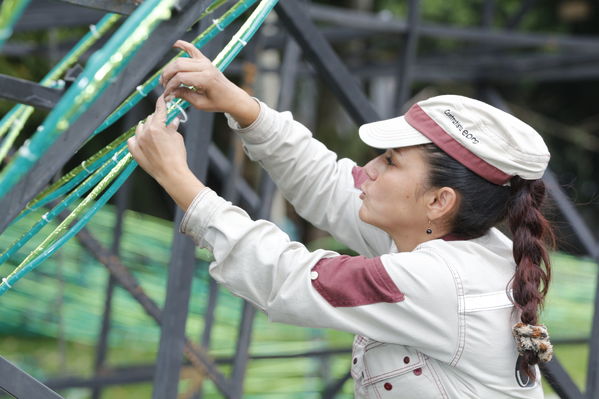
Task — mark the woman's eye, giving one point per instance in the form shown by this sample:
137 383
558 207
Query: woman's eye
389 161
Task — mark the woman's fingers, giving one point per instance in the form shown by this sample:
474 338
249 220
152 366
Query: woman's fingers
195 79
160 112
190 49
136 152
182 65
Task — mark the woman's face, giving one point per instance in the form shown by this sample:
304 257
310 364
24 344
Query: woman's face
392 196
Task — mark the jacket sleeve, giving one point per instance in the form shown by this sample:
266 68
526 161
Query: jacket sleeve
408 299
321 188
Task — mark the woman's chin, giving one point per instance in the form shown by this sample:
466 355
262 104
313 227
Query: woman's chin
363 215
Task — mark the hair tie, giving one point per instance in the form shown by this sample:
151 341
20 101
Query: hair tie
533 338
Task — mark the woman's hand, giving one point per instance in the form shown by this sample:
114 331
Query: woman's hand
208 89
160 151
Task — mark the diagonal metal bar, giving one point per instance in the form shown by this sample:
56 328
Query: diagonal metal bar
126 279
152 51
560 380
21 385
44 14
320 53
575 221
102 347
29 93
117 6
333 389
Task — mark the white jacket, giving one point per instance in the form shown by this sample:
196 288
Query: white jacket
431 323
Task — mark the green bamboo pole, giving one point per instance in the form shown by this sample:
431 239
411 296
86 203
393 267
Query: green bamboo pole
52 243
16 118
10 12
49 216
101 68
217 26
75 176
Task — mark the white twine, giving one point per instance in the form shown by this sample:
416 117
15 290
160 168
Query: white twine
115 158
217 24
84 168
181 111
45 217
26 152
243 42
5 281
140 90
94 31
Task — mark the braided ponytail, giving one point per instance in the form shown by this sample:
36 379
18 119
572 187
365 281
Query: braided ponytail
530 283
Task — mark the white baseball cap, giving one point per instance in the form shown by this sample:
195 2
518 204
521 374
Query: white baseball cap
488 141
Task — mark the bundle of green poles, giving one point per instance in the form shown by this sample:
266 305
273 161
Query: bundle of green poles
107 170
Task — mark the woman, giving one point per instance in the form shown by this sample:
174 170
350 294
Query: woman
433 299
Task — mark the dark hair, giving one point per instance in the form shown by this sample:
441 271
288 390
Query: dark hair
482 205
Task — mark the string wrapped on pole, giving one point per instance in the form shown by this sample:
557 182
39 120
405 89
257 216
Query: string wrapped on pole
126 165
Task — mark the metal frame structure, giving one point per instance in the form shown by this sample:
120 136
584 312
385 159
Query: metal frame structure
306 39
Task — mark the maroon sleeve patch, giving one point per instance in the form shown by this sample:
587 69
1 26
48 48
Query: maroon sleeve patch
354 281
359 175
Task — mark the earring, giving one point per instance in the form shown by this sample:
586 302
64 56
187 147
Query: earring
429 231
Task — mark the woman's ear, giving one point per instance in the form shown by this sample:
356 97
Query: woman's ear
442 203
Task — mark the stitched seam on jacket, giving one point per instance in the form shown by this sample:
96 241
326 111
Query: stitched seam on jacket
436 378
461 306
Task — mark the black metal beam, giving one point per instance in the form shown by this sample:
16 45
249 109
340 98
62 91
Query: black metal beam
44 14
29 93
199 129
319 52
136 373
153 49
560 380
122 198
333 389
128 281
361 20
124 7
21 385
407 58
557 376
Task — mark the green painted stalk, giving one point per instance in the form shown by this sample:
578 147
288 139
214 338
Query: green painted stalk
102 67
127 165
142 90
16 118
68 181
64 184
70 199
10 12
51 244
233 48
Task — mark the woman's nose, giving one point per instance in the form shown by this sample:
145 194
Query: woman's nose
372 169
